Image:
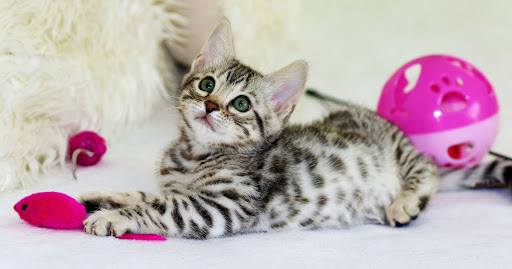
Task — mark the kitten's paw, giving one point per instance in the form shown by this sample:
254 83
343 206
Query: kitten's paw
107 222
96 200
404 209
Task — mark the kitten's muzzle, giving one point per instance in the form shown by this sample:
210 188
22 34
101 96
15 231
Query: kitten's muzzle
210 106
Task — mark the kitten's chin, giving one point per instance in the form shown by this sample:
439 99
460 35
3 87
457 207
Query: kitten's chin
204 123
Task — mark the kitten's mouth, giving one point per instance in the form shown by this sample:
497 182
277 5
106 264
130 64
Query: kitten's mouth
205 122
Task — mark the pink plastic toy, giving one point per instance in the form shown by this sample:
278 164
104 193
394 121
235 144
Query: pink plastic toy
60 211
449 113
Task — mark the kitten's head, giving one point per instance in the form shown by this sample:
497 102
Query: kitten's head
225 104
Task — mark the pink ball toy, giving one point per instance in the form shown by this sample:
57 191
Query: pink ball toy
449 112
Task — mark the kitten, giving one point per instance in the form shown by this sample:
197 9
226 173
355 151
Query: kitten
238 167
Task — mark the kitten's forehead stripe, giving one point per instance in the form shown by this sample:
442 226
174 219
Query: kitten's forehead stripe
248 79
237 73
240 79
229 68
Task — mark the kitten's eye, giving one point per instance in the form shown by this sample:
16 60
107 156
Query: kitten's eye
207 84
241 103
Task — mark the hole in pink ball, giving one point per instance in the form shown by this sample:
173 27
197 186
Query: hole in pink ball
446 80
453 102
435 88
412 74
460 151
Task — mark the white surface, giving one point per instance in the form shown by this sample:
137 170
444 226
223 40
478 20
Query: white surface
352 49
459 230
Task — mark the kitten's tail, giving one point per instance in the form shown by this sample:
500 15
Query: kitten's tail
493 174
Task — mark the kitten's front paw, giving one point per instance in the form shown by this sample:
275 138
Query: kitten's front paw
404 209
107 222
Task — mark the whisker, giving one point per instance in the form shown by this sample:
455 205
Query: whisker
270 144
172 96
172 107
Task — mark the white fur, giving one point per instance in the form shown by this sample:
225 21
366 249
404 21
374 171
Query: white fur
67 66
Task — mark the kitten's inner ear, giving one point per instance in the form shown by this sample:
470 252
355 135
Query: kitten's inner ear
288 85
218 48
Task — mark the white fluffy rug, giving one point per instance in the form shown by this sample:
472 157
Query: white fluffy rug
67 66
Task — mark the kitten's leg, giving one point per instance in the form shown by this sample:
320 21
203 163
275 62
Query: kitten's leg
496 174
420 181
95 200
212 214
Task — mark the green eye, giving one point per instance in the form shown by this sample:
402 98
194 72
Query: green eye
241 103
207 84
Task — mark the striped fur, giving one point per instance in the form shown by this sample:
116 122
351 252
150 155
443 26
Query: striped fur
233 172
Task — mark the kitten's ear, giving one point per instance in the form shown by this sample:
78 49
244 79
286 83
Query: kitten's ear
288 85
217 49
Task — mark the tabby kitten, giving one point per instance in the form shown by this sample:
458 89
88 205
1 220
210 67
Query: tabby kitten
238 167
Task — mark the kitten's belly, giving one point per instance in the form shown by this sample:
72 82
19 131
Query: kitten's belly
331 196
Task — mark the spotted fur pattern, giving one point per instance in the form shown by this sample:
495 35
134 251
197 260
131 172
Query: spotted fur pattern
233 172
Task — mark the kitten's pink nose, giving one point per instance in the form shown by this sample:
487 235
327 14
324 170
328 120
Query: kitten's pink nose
210 106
